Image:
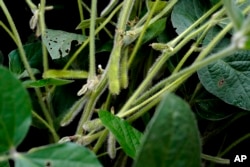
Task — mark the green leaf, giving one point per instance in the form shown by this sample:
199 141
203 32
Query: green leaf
59 42
86 23
160 6
229 79
154 30
15 111
46 82
185 13
58 155
4 163
209 107
172 136
234 13
127 136
65 74
34 55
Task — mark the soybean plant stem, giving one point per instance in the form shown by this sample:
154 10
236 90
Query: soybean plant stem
92 67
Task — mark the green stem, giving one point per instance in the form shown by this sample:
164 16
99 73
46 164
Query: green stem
25 61
51 129
79 3
215 159
157 66
92 72
85 43
133 34
188 71
42 28
235 143
195 24
8 32
155 96
203 53
214 42
89 108
31 4
138 43
192 49
101 140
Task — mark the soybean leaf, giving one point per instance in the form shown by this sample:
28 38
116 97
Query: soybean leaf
154 30
59 42
127 136
65 74
46 82
160 6
229 79
58 155
86 23
172 137
209 107
15 111
34 55
185 13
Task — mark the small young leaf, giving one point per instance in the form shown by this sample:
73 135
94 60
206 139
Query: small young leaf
86 23
65 74
46 82
127 136
59 42
15 111
172 136
58 155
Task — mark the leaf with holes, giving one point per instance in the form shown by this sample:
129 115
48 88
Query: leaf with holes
58 155
127 136
59 42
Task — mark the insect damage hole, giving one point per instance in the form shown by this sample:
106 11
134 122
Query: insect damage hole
221 82
48 164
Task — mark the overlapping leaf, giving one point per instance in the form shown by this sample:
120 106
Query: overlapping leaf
172 136
127 136
58 155
15 111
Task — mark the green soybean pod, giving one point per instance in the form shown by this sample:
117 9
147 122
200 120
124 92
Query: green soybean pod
113 71
73 111
111 146
124 69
